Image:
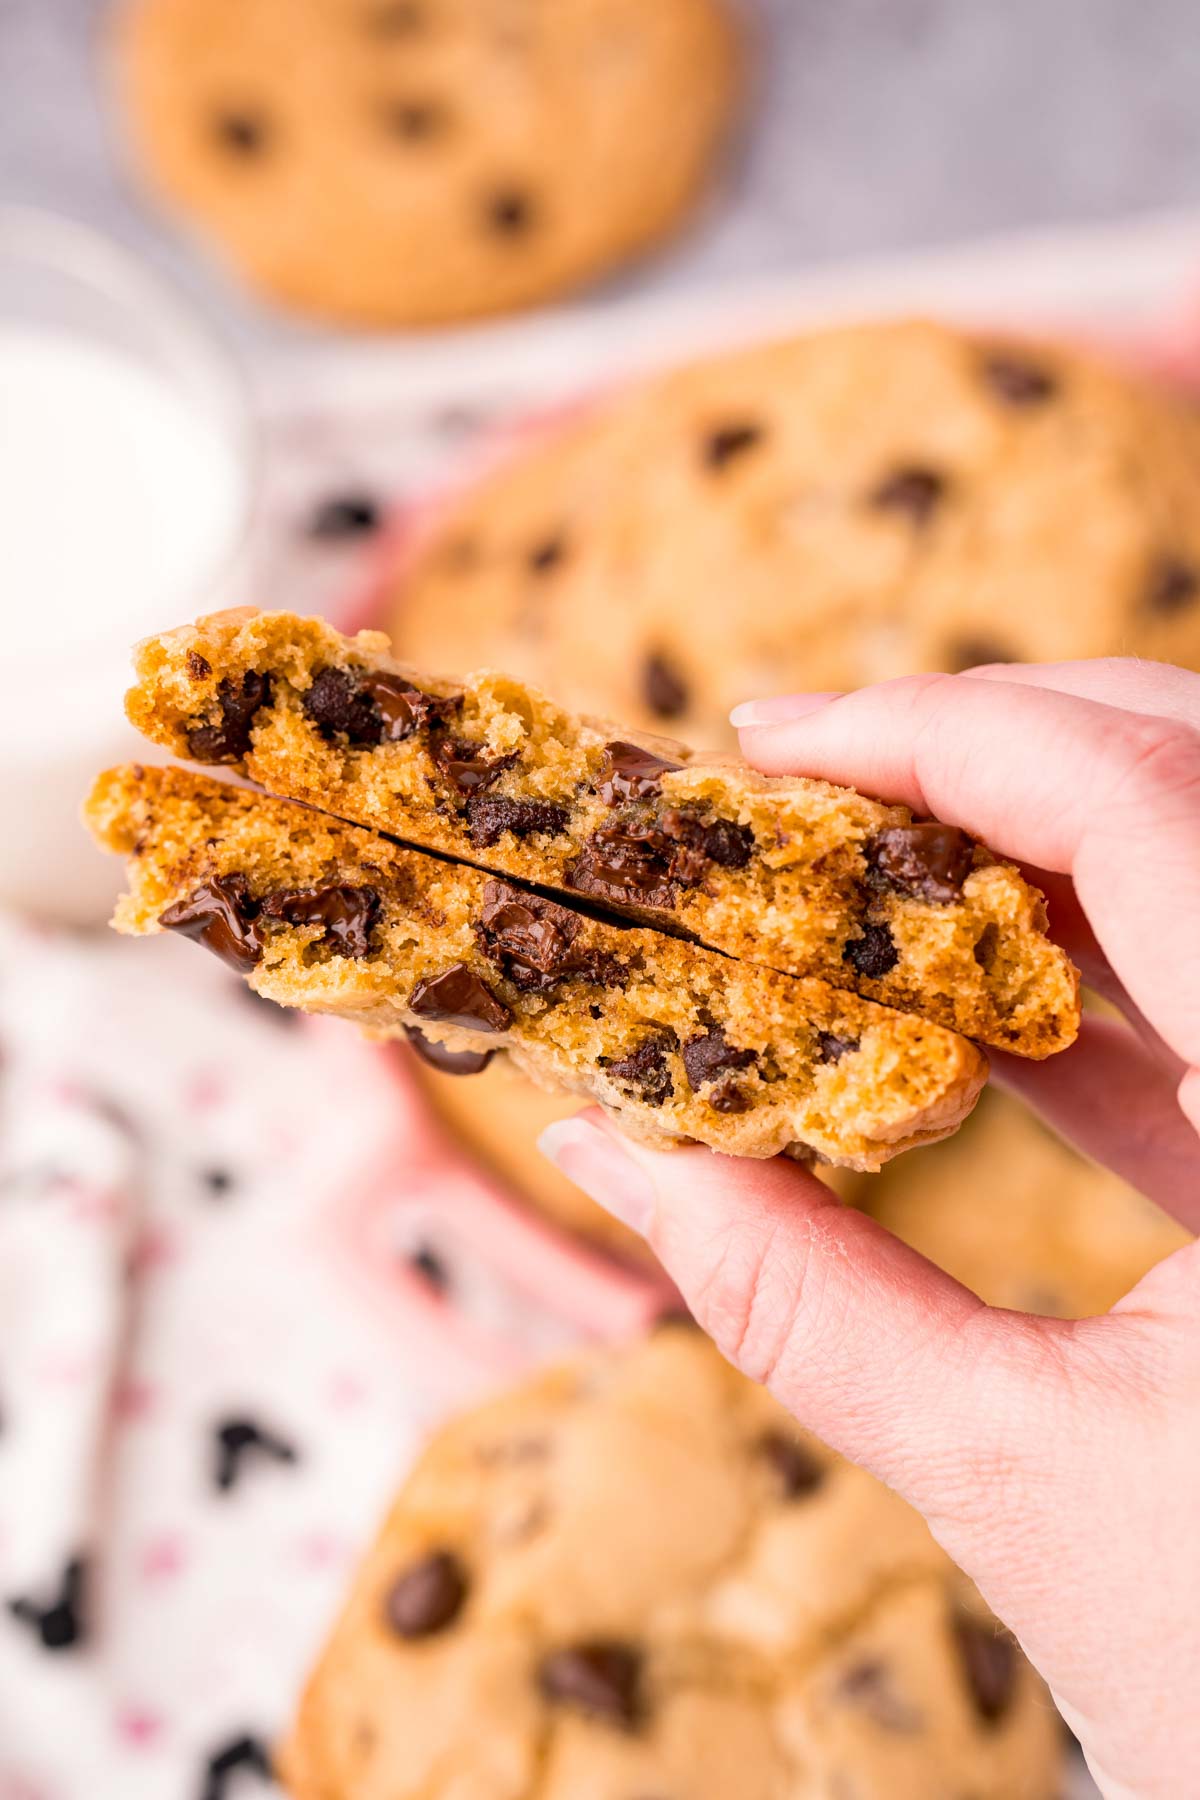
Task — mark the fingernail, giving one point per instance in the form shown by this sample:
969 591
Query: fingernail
599 1164
779 709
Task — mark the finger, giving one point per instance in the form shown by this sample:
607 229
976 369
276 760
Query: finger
1114 1099
868 1344
1159 689
1109 797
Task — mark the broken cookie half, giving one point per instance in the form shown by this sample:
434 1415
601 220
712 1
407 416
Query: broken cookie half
788 873
681 1043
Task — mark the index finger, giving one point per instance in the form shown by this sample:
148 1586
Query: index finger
1108 796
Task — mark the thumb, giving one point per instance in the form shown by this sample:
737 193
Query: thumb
886 1358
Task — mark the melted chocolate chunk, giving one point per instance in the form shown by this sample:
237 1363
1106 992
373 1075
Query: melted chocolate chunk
986 945
1174 586
62 1623
989 1660
663 687
346 915
441 1057
1017 380
711 1056
458 997
874 954
415 121
465 767
631 773
975 653
870 1688
489 819
243 134
427 1597
831 1048
533 942
236 1439
221 915
599 1678
509 212
727 442
913 491
645 1069
796 1468
640 858
928 861
229 739
372 708
726 1096
547 555
240 1756
344 516
198 667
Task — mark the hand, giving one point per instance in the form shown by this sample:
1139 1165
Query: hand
1057 1461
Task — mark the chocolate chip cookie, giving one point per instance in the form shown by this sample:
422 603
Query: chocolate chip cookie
678 1042
405 162
793 874
842 508
1022 1219
635 1576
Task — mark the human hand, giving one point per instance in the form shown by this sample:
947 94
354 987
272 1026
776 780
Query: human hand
1057 1461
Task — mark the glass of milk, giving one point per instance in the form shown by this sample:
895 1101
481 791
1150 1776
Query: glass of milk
127 463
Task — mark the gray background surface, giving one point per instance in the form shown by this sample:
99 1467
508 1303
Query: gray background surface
880 123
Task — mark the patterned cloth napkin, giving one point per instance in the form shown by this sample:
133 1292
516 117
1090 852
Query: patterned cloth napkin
240 1276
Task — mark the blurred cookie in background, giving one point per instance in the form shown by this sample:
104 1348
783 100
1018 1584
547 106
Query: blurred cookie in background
1021 1219
842 508
636 1576
407 162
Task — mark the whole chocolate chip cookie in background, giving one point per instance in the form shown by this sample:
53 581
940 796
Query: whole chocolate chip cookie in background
635 1576
1022 1219
406 162
841 508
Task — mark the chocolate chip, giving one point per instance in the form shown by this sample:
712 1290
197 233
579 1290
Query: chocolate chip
235 1439
415 121
729 441
599 1678
708 1057
509 212
913 491
641 857
426 1263
1016 380
458 997
869 1686
974 653
198 667
547 555
346 915
441 1057
989 1660
533 941
488 819
244 134
645 1069
399 18
344 516
243 1755
466 767
1174 586
874 954
221 915
986 945
721 841
631 773
217 1181
831 1048
371 707
62 1624
928 861
796 1468
663 687
229 739
427 1597
726 1096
